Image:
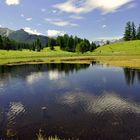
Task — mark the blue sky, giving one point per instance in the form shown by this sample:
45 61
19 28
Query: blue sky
91 19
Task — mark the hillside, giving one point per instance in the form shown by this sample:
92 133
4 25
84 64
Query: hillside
22 36
120 48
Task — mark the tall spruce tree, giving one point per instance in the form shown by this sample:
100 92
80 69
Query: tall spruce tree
92 46
133 34
128 32
138 33
1 42
38 45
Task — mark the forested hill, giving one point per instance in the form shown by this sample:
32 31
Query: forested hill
20 39
22 36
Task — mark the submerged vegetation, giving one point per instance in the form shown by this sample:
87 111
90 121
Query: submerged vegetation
41 137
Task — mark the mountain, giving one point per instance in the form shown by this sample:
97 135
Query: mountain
5 32
22 36
103 42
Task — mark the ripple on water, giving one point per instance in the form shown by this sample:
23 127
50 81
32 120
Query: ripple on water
107 102
16 109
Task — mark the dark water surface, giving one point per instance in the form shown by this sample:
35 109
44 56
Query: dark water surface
89 102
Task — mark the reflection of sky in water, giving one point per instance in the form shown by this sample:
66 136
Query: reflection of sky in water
70 93
38 76
106 102
15 110
34 77
55 75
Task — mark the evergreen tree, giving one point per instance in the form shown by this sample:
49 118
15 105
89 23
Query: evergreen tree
1 43
51 43
81 47
66 39
128 32
133 35
87 45
70 44
92 47
107 42
38 45
138 33
61 42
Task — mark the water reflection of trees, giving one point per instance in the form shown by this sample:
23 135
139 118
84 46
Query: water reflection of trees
131 75
24 70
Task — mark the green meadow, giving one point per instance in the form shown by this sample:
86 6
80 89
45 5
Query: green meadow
120 48
125 54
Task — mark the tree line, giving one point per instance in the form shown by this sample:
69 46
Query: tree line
8 44
66 43
131 32
72 44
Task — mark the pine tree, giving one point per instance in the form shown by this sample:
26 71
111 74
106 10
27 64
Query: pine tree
81 47
1 43
38 45
138 33
92 47
128 32
70 44
51 43
133 34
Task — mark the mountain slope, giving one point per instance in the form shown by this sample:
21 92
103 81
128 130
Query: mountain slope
22 36
5 32
120 48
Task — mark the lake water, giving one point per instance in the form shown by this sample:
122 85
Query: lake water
78 101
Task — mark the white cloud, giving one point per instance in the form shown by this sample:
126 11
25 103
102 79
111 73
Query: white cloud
12 2
39 24
85 6
59 22
100 20
53 33
32 31
76 17
104 26
131 5
109 38
22 15
29 19
63 23
54 11
0 25
43 10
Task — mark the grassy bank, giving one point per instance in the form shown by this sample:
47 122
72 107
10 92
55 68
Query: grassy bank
45 56
124 54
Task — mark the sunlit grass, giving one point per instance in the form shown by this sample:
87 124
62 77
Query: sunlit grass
46 52
124 54
46 55
120 48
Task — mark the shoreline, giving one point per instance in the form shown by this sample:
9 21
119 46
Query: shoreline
119 61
